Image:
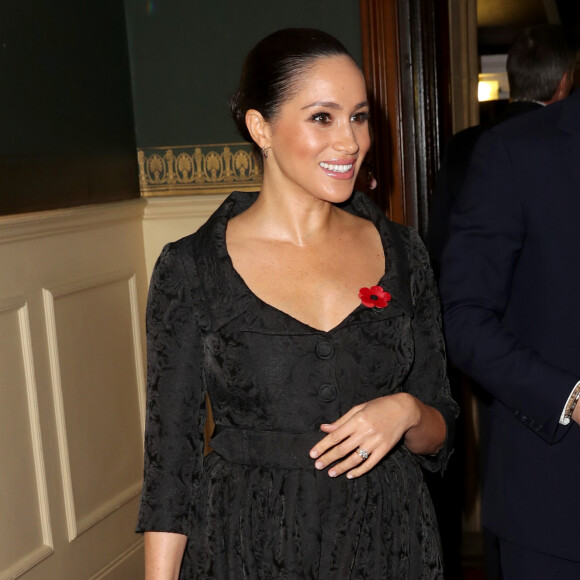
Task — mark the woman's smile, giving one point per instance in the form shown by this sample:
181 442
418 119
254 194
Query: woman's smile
338 169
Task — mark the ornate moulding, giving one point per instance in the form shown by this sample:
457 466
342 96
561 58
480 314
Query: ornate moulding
198 169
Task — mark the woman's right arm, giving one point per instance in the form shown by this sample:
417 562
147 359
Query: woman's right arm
175 412
163 555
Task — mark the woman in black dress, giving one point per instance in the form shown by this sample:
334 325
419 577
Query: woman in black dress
312 322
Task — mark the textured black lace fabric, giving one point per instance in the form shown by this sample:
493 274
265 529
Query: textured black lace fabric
255 508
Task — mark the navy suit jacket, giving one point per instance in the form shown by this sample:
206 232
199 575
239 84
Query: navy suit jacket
452 175
510 285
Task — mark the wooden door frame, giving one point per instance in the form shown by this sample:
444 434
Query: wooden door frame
405 62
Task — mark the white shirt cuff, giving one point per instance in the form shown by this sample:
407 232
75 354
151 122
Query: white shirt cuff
565 417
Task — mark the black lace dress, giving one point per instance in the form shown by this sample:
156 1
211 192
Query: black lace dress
256 508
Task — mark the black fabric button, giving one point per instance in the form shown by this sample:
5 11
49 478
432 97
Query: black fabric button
324 350
327 393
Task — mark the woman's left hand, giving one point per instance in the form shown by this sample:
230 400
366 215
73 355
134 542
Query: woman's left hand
375 427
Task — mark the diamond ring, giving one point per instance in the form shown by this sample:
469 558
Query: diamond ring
364 454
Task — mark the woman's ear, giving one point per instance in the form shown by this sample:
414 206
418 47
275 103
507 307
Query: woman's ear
258 128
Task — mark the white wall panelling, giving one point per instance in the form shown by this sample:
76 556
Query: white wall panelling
97 386
25 516
127 566
73 287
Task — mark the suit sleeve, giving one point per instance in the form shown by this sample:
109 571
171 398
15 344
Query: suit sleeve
175 399
427 379
488 230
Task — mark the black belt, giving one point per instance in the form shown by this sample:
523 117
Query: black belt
265 448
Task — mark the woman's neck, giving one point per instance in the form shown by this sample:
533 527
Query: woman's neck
296 218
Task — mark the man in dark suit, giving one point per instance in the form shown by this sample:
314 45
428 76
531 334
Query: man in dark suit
540 67
509 283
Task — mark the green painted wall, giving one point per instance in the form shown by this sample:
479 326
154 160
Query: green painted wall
74 112
66 119
186 58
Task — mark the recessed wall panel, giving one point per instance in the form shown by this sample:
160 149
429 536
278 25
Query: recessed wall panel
24 526
97 382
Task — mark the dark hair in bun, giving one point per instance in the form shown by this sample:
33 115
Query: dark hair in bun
272 68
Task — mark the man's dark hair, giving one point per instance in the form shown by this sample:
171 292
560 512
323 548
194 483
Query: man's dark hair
537 60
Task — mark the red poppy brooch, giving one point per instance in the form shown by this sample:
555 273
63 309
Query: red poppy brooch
374 296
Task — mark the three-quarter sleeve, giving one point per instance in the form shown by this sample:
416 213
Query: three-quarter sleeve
428 377
175 398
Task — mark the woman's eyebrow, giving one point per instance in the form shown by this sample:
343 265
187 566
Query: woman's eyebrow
333 105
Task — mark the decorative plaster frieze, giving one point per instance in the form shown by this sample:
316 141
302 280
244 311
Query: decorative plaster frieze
198 169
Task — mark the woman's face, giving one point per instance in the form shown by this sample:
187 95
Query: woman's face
320 136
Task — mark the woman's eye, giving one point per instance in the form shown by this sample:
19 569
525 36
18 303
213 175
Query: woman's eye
323 118
360 117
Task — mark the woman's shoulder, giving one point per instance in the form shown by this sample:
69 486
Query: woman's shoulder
211 233
363 206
